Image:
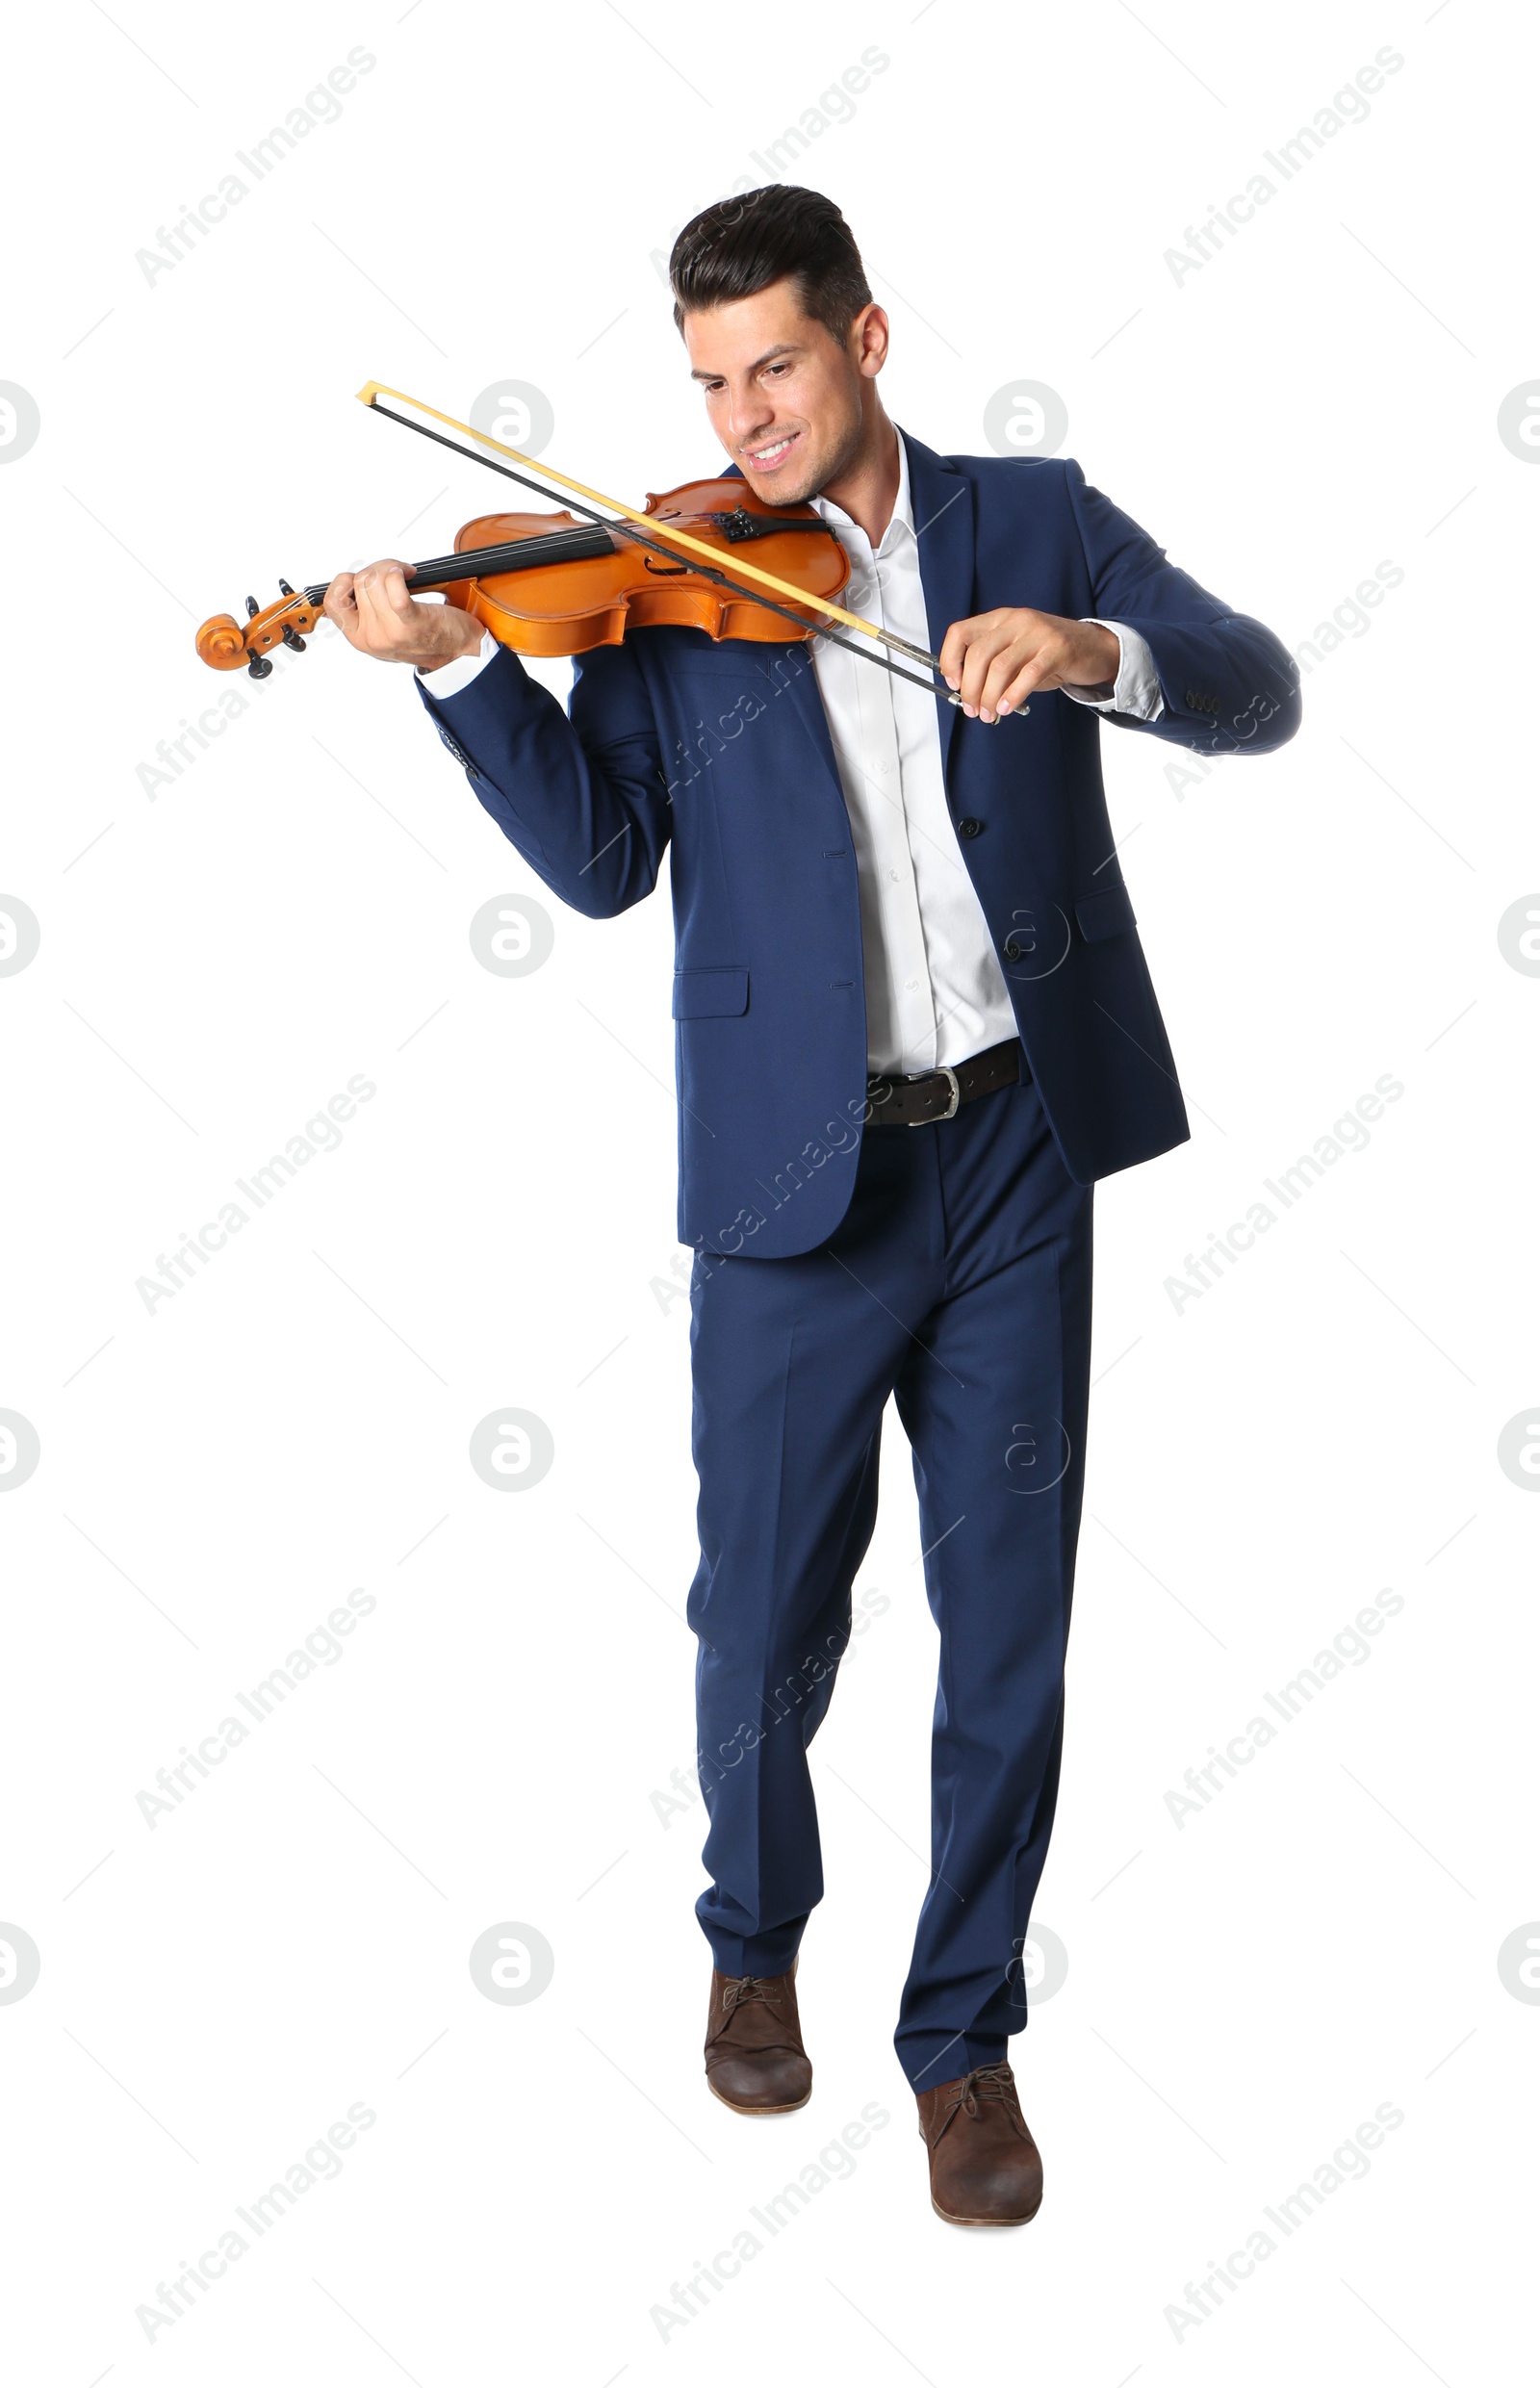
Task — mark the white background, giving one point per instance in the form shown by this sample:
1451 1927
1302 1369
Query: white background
497 1228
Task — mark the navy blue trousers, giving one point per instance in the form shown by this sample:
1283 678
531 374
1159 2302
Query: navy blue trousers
960 1282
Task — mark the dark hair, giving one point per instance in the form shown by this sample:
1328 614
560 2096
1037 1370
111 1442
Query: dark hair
738 247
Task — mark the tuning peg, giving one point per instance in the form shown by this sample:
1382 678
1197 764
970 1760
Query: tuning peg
252 608
291 636
259 666
284 590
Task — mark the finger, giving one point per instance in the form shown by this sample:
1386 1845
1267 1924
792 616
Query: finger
339 600
1044 668
999 652
382 586
1015 698
1005 670
958 640
365 627
393 589
1012 679
954 647
378 621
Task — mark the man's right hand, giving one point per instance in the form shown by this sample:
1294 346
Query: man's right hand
377 613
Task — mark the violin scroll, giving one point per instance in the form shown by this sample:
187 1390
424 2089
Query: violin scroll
222 643
225 644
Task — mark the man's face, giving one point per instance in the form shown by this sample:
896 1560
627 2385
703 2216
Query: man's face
784 398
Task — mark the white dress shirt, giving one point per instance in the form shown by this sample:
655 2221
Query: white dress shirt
935 992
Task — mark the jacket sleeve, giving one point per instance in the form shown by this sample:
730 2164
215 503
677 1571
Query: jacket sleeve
1230 687
582 798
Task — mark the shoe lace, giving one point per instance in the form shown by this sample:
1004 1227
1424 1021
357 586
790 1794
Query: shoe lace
749 1989
983 2081
969 2095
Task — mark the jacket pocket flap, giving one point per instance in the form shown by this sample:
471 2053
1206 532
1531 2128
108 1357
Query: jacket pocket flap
1106 913
709 994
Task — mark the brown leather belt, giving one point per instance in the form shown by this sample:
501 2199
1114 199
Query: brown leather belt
927 1094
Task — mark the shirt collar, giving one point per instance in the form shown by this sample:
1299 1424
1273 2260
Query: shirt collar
902 524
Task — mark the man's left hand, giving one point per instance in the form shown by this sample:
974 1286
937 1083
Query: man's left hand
995 660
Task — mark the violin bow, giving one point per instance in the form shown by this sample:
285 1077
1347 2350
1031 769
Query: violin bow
373 391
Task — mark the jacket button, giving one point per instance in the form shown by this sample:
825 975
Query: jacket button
969 827
1012 951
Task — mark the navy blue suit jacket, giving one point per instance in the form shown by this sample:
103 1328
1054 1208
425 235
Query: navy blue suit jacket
719 754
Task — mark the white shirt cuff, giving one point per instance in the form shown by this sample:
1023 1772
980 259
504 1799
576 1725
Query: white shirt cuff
450 678
1137 690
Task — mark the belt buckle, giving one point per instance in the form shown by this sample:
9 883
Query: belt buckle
941 1071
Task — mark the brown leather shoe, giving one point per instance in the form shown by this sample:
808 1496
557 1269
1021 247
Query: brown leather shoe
755 2059
985 2168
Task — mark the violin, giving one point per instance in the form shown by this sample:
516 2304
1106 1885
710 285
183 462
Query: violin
548 584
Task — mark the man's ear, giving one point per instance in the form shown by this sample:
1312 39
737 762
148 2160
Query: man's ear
868 340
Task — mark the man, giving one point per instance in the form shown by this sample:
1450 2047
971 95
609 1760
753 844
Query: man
915 1025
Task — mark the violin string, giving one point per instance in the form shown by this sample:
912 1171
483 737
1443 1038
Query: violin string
558 547
933 687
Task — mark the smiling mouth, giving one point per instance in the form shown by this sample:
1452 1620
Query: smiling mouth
766 459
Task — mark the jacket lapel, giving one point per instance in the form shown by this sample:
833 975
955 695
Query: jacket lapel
942 502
